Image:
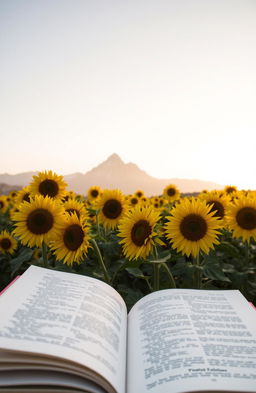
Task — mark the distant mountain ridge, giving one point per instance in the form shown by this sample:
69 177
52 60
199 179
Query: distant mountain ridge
114 173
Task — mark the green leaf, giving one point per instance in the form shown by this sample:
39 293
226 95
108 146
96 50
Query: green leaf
214 272
135 272
228 249
132 264
181 268
161 260
130 296
24 256
228 268
63 267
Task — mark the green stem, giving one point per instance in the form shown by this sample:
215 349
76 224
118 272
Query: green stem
44 254
172 281
100 259
156 277
114 275
197 273
99 231
97 223
247 255
149 286
246 267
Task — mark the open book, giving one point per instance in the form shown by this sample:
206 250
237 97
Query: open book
63 332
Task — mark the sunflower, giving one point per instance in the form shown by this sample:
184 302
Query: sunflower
48 184
171 193
8 243
241 218
133 200
161 201
3 203
139 193
230 190
93 193
72 242
192 227
23 195
218 202
91 213
112 207
68 195
137 230
155 202
38 221
13 194
74 206
12 211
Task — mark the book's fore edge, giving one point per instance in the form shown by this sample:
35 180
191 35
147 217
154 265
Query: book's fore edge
91 374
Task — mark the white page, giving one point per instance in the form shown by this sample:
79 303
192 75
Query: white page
67 315
189 340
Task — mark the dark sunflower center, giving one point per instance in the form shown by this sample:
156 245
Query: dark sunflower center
49 187
112 209
140 232
193 227
65 198
5 243
94 193
171 191
26 197
139 194
1 204
229 190
246 218
217 207
134 201
40 221
73 237
70 211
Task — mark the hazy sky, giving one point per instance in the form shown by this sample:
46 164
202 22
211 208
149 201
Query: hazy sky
167 84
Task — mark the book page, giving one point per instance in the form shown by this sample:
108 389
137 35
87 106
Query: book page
191 341
70 316
54 380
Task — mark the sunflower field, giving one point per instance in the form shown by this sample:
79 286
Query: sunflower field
137 244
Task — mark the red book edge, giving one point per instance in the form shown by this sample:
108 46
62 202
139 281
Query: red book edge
16 278
5 289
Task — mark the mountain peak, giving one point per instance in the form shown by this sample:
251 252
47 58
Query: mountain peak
114 173
115 159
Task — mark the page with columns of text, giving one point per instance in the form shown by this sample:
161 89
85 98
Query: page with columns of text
70 316
190 340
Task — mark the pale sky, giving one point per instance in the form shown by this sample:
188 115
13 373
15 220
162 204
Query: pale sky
167 84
